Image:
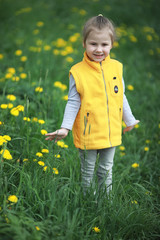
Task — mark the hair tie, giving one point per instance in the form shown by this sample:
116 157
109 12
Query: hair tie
100 15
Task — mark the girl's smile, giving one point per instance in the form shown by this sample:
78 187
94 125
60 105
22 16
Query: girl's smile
98 44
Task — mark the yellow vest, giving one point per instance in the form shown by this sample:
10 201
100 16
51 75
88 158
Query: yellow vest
98 123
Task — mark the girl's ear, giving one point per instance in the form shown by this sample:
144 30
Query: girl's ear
84 45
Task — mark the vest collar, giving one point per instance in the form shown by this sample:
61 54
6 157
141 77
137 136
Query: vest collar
95 65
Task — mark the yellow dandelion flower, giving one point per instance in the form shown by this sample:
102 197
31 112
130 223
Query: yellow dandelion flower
56 52
122 154
6 154
148 29
123 124
60 43
40 121
63 87
60 85
1 123
38 89
57 155
74 9
63 53
149 37
69 59
39 154
43 132
27 119
11 70
151 52
11 97
134 202
73 38
7 138
96 229
8 75
23 59
122 148
37 228
148 193
115 44
71 26
82 12
60 143
45 168
35 119
35 31
65 146
136 126
23 10
1 56
13 198
130 87
40 24
39 42
57 84
113 55
148 141
69 49
55 171
4 106
15 79
2 140
20 69
41 163
47 47
10 105
158 50
23 75
44 150
14 112
133 38
146 149
25 159
18 52
65 97
20 108
135 165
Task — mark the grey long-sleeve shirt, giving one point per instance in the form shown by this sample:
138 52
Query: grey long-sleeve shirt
74 103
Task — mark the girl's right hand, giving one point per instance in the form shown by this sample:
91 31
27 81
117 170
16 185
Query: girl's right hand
57 135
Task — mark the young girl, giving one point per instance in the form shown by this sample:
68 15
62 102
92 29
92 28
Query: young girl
96 104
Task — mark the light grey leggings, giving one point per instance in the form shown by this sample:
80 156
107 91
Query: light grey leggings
104 170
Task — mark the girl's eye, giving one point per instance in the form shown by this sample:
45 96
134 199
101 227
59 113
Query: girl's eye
105 44
93 44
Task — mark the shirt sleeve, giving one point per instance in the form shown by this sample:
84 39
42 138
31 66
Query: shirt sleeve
72 106
128 117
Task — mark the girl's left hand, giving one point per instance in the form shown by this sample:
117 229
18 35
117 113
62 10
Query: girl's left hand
127 129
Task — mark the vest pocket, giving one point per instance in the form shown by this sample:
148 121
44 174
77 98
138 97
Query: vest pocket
87 125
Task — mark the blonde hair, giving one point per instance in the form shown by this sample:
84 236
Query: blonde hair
98 22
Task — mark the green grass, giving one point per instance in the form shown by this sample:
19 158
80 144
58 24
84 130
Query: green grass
54 202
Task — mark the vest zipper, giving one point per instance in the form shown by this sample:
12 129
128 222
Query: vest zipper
107 103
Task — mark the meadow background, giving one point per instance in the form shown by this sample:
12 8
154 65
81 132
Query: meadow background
40 190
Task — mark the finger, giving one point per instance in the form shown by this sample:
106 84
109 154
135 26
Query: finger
51 134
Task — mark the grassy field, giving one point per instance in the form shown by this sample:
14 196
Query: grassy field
40 183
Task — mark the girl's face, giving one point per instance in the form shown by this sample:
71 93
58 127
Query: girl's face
98 44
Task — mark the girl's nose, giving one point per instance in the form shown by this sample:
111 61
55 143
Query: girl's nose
99 49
